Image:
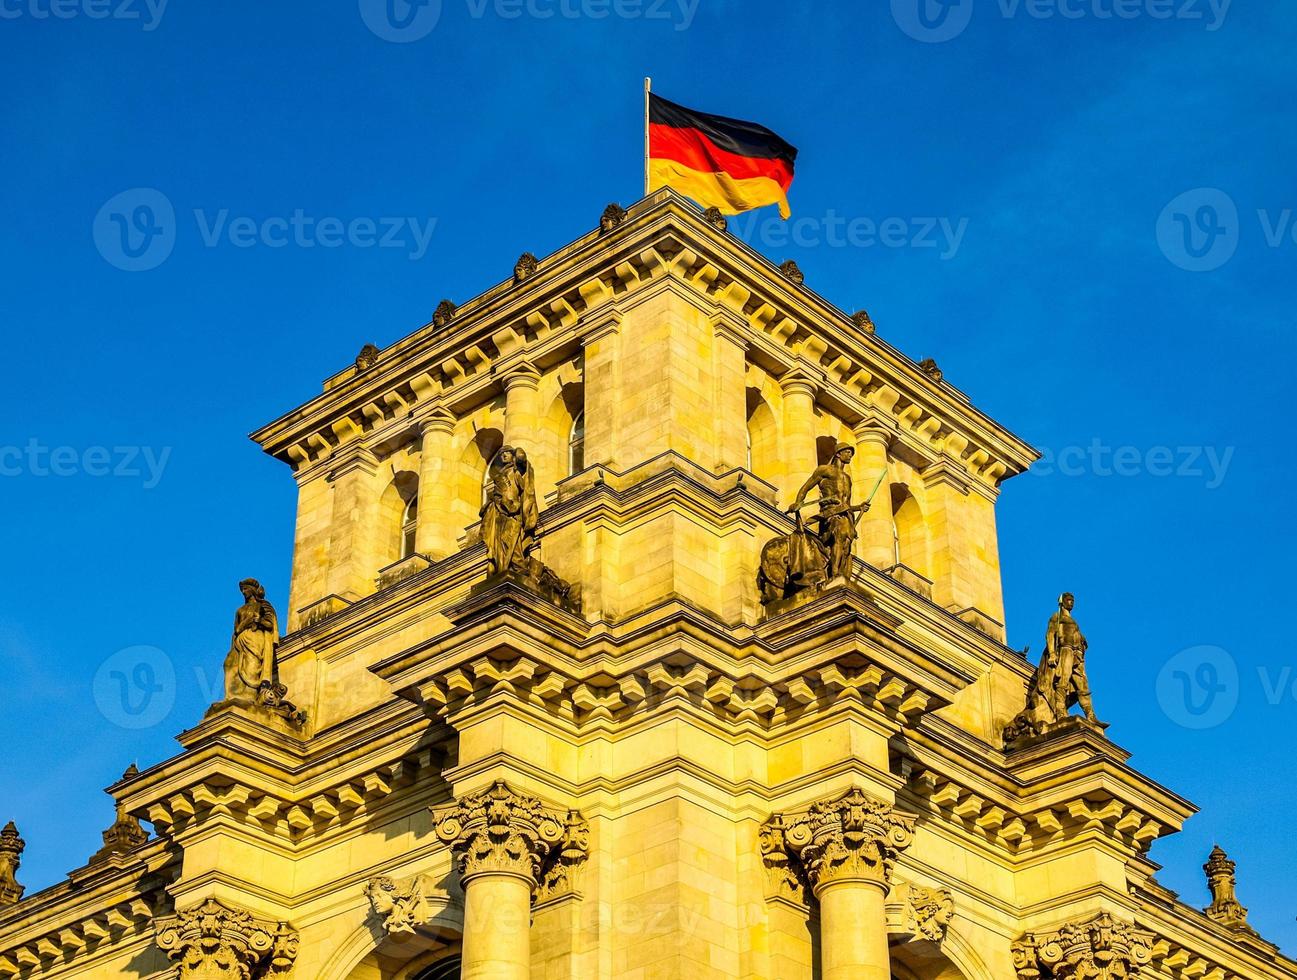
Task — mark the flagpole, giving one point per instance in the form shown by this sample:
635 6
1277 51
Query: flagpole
648 86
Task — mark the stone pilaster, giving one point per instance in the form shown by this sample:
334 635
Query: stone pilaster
521 383
213 941
800 458
876 543
1101 948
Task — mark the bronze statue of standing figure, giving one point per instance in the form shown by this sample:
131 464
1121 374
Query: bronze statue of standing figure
1059 681
252 665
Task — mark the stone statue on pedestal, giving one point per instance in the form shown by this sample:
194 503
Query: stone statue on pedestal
807 560
1059 681
252 665
510 517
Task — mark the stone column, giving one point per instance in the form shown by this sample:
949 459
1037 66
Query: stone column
435 534
844 850
521 406
215 941
798 450
509 847
876 544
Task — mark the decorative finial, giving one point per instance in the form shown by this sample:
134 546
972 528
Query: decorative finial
929 367
367 358
124 836
613 215
131 771
11 850
444 313
714 218
792 272
1225 907
863 321
525 267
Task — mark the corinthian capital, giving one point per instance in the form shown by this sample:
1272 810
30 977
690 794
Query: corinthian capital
1102 948
213 941
852 837
503 832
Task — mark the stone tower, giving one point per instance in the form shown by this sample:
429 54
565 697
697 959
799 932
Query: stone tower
608 754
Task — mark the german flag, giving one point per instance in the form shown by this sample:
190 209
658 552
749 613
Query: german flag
719 162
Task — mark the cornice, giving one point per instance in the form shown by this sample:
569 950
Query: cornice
664 238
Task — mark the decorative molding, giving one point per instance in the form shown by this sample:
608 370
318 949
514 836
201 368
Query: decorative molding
214 941
400 904
1102 948
500 832
852 838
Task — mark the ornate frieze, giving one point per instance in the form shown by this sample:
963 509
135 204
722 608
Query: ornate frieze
1102 948
400 904
503 832
214 941
854 837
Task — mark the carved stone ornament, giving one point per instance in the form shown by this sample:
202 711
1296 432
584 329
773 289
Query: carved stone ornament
503 832
919 913
852 837
863 321
613 215
1102 948
929 367
1225 907
400 904
213 941
367 358
714 218
11 851
125 835
525 267
792 272
444 313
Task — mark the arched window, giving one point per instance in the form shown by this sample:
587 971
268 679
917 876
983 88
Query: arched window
576 445
409 525
447 969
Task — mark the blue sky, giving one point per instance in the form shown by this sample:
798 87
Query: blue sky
1086 218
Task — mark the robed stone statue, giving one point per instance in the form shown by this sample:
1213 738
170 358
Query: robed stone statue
252 665
1059 681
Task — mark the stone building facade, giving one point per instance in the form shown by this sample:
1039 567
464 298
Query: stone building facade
617 762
